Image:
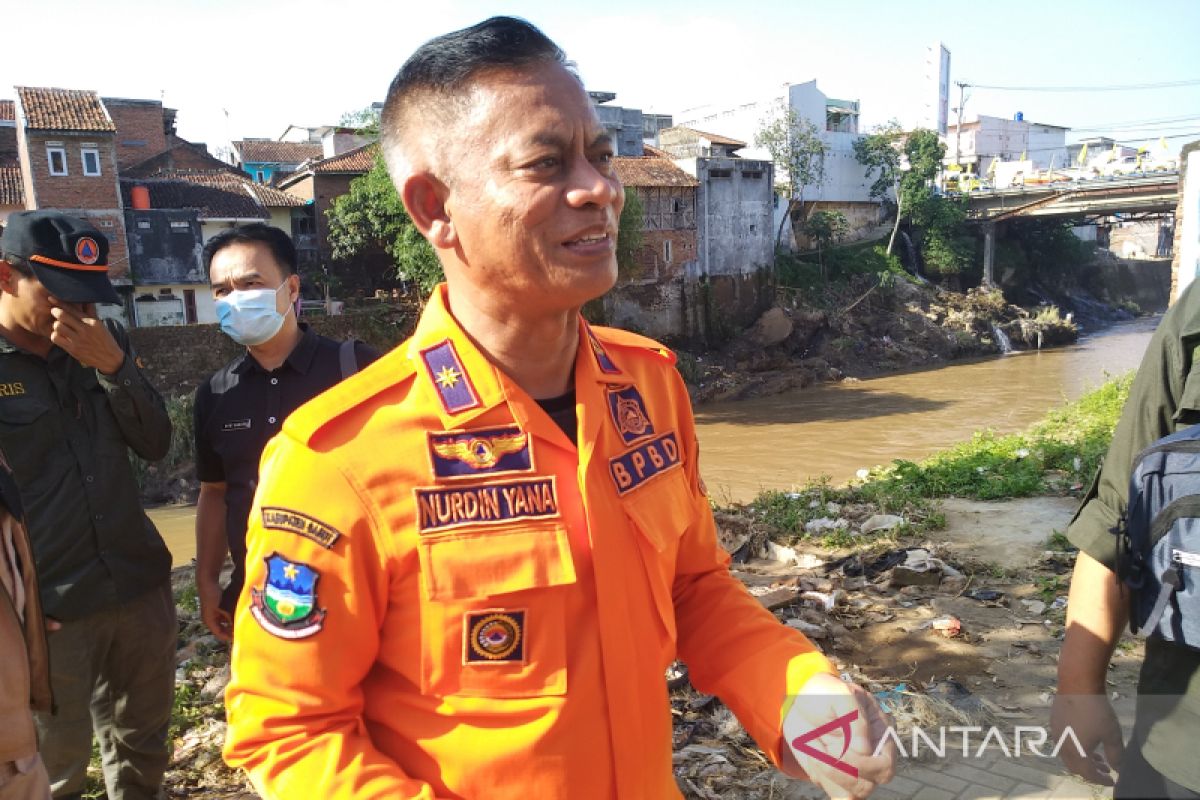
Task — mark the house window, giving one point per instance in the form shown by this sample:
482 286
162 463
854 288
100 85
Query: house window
667 251
91 161
752 174
260 176
719 173
57 157
677 205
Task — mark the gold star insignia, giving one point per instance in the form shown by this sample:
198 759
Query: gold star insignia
289 572
447 377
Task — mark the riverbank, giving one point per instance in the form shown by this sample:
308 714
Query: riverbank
886 574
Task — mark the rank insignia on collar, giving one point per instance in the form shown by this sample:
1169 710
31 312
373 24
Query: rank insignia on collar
605 363
496 636
629 413
449 378
486 451
286 606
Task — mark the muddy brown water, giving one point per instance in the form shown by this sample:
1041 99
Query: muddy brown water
786 440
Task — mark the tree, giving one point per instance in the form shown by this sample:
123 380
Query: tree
370 219
630 234
826 228
365 120
881 151
798 151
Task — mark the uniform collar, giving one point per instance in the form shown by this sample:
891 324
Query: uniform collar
300 359
462 379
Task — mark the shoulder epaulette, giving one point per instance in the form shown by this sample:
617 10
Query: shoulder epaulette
385 373
633 341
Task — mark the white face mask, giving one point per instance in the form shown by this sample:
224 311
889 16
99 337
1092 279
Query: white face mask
249 316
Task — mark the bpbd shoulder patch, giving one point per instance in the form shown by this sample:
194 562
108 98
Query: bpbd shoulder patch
495 636
629 414
634 467
286 605
487 451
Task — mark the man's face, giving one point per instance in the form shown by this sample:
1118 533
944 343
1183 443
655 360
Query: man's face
533 197
244 266
28 302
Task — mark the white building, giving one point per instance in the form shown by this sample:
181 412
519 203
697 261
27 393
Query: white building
985 138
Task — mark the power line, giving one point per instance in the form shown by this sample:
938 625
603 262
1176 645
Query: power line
1168 84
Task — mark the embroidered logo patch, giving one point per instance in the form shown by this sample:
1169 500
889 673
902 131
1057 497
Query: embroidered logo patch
442 508
488 451
450 378
629 414
87 250
602 360
13 389
634 467
236 425
286 606
285 519
494 637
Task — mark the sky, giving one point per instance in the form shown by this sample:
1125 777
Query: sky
240 68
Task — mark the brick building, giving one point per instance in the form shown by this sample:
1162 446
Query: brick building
12 194
318 184
66 144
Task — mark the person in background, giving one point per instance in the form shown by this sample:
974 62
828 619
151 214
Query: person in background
73 403
256 288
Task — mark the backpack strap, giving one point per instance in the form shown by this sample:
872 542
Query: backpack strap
1170 583
347 358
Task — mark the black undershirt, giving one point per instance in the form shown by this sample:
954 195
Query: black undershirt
561 409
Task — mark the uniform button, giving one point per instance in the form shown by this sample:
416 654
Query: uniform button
274 381
271 420
126 381
98 517
90 479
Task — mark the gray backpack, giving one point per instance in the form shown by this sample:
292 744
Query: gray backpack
1159 540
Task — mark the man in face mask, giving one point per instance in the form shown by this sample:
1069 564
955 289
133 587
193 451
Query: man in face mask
252 270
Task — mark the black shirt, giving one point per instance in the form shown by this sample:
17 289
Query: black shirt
242 406
66 430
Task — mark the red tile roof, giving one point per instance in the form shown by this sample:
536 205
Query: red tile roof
259 151
359 160
713 137
8 110
651 150
191 155
63 109
216 195
12 193
651 171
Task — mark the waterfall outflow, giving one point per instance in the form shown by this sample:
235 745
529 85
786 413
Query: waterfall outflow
910 250
1002 339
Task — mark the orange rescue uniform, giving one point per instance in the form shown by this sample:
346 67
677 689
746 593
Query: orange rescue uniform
445 597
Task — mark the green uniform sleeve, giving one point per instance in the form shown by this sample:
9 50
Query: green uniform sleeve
1160 402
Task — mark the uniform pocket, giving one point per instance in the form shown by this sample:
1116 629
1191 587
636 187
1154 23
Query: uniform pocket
492 619
29 436
1188 412
660 513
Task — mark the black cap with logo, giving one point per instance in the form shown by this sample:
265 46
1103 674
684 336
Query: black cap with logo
67 255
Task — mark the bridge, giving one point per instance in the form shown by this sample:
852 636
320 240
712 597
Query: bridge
1147 194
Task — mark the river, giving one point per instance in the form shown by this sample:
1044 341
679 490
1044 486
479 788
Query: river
836 429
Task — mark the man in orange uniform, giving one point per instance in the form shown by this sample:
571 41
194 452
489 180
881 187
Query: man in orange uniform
470 564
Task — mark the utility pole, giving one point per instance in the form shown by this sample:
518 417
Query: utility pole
958 126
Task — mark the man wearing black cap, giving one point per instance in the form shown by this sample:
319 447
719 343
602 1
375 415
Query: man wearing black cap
72 403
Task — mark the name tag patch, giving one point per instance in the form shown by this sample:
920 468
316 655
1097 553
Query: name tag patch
444 508
285 519
494 637
13 389
487 451
236 425
629 414
634 467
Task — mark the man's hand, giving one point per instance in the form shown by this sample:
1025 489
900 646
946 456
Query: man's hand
1092 719
832 732
86 338
216 619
